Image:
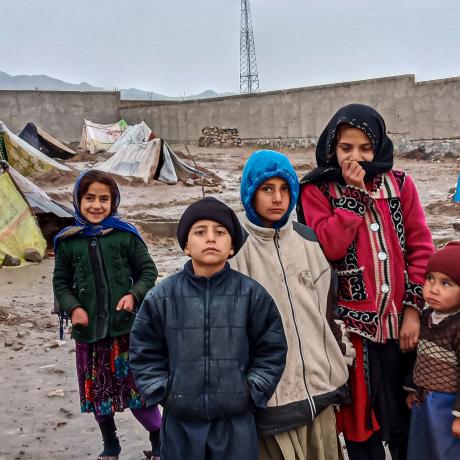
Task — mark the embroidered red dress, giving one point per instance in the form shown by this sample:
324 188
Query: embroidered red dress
379 243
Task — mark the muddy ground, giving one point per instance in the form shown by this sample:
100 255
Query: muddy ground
40 417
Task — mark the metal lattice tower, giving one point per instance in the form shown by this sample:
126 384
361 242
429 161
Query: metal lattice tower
249 77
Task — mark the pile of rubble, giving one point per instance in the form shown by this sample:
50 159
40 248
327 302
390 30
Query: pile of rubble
219 136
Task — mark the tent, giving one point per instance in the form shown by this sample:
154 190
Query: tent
23 156
39 201
50 215
134 155
18 228
44 142
99 138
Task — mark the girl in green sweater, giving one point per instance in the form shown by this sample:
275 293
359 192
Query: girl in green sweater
102 272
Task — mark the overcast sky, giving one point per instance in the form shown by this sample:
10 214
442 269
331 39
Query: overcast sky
187 46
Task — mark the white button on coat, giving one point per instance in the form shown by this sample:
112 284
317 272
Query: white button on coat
374 227
385 288
382 255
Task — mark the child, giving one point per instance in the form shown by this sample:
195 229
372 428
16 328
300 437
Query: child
208 344
371 226
285 257
103 270
435 421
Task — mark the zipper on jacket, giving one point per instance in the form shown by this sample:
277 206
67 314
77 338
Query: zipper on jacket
276 239
207 347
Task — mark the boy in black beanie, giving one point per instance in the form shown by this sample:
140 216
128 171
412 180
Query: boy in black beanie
208 344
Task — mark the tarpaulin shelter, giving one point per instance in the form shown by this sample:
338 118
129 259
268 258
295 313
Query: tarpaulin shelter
99 138
24 157
134 155
44 142
39 200
51 216
18 228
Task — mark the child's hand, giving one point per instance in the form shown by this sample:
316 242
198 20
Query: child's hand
127 302
353 174
456 427
410 330
79 317
411 398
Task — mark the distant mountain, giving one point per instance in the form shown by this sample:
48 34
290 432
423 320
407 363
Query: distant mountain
141 95
45 83
42 82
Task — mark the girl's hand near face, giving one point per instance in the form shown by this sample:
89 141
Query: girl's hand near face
127 302
79 317
353 173
456 427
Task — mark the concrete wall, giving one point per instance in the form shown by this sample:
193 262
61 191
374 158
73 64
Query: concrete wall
413 111
60 113
410 109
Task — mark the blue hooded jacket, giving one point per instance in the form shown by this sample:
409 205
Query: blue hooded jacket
261 166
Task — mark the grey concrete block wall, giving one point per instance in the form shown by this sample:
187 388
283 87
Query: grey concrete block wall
421 110
293 113
61 113
413 110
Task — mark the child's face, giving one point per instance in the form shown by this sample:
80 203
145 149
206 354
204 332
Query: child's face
441 292
271 200
353 145
209 244
96 203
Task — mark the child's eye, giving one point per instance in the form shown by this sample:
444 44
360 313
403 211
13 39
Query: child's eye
446 283
285 188
221 232
267 188
199 232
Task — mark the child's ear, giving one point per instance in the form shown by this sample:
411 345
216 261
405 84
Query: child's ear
186 251
232 252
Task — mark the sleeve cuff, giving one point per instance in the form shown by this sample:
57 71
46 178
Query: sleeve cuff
414 297
409 389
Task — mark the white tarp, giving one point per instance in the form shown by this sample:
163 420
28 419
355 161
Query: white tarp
25 158
98 138
135 156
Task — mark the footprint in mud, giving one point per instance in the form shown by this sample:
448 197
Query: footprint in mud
447 208
66 413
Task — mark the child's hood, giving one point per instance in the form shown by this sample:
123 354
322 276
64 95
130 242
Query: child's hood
261 166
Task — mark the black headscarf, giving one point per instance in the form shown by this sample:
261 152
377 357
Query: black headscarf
372 124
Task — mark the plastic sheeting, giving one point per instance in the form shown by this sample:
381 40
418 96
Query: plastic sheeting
99 138
136 156
25 158
44 142
39 201
18 227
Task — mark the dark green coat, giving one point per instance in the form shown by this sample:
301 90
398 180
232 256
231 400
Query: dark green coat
95 273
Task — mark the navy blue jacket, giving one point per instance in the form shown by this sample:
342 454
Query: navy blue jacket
207 348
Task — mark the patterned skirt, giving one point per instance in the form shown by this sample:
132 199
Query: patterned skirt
105 380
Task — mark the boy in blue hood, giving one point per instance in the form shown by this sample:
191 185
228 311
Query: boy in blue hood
285 257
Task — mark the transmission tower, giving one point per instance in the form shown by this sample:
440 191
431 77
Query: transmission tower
249 77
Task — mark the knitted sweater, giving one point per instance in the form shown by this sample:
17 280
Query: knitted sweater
379 242
437 367
289 263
